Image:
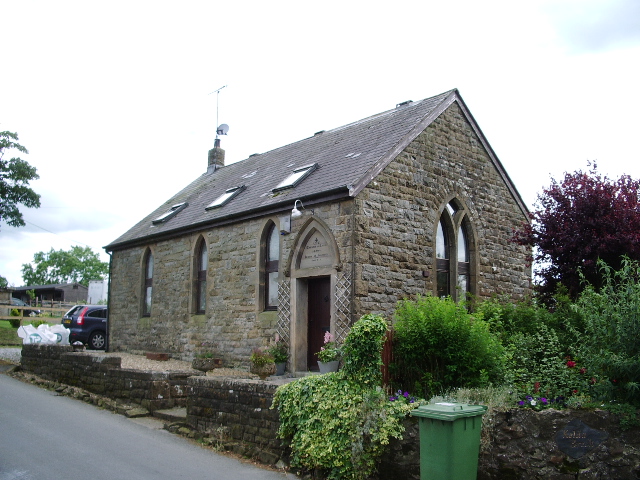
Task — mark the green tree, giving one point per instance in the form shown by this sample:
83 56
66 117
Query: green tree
3 282
79 264
15 175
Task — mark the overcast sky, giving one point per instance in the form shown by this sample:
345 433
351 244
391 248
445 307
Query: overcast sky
113 99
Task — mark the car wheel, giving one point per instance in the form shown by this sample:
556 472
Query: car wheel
97 341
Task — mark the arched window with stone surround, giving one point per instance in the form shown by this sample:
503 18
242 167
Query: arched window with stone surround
271 255
201 263
454 252
147 292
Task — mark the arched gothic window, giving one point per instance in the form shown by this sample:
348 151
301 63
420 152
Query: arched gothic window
271 266
202 260
454 252
443 267
148 284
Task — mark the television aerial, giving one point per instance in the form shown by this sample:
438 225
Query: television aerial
223 128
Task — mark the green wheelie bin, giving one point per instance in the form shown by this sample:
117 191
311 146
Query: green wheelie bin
449 440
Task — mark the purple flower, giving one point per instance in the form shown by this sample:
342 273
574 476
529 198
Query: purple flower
543 400
521 403
406 394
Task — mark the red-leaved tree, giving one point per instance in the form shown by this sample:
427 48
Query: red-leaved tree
576 222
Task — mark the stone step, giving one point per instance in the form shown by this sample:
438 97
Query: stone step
178 414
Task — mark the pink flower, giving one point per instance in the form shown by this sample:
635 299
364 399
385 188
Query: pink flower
328 337
571 364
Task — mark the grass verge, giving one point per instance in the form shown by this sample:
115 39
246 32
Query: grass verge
9 335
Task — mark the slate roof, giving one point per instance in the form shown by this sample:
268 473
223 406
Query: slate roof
347 159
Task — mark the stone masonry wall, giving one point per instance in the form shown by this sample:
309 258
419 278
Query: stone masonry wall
517 444
237 412
101 374
397 216
234 323
522 444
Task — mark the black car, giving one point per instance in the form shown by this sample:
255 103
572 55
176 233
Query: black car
25 312
87 324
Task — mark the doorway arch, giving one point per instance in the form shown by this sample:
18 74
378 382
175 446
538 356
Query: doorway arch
312 267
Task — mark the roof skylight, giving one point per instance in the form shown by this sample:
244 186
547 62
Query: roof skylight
296 177
171 213
225 197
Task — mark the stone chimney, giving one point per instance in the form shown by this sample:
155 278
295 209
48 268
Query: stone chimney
216 157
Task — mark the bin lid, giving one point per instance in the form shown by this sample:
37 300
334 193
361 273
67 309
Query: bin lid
449 411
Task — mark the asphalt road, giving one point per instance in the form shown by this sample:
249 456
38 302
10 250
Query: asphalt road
44 436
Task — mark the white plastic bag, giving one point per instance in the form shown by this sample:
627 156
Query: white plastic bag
44 334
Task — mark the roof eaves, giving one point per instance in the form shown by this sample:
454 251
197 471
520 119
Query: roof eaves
337 193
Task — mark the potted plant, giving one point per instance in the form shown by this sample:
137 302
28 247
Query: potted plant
280 353
206 359
262 363
329 354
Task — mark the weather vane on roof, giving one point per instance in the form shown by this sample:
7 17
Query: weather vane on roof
223 128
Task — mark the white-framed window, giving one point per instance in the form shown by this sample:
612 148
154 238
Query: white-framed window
295 177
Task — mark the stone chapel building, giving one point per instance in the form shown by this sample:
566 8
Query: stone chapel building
409 201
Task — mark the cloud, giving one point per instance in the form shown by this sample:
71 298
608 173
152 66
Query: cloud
593 26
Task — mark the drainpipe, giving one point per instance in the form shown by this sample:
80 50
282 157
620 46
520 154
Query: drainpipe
106 346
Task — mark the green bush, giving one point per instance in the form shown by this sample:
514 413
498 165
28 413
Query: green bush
15 322
537 366
338 423
609 344
508 318
438 345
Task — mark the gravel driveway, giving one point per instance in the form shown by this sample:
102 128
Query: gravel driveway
11 355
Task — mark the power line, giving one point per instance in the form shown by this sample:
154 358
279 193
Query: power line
58 235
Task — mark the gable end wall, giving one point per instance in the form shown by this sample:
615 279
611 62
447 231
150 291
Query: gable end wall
397 214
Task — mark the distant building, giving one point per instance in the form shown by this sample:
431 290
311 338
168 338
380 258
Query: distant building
61 292
409 201
98 292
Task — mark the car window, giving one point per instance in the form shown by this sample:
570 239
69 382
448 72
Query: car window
98 313
73 310
18 302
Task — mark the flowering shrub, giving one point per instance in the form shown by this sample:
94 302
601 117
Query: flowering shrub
279 351
330 351
575 383
540 403
402 397
259 357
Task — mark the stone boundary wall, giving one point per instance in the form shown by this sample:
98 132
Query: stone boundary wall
516 444
522 444
238 413
101 374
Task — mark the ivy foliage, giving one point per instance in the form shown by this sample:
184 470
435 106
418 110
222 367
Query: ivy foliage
338 423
